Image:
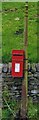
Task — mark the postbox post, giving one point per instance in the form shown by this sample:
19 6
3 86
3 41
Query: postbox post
25 82
26 54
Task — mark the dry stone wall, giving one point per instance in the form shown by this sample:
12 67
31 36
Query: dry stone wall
15 85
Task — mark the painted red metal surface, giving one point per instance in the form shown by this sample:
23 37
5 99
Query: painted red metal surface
17 63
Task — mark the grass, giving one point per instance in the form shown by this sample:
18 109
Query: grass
9 26
33 110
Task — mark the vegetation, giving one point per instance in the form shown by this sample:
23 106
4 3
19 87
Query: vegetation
13 40
33 110
11 106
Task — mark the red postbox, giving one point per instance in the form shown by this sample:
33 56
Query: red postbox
17 63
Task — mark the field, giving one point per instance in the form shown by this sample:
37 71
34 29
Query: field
13 25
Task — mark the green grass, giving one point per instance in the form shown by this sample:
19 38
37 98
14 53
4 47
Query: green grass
33 110
10 26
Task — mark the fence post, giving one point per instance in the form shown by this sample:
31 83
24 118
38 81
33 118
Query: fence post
24 100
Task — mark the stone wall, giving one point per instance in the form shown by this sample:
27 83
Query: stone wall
14 85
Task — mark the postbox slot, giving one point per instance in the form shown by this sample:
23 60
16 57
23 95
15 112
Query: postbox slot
17 55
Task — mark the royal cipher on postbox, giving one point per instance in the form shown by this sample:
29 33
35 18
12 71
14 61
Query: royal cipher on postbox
17 63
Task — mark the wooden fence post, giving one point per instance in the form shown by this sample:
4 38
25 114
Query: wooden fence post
24 100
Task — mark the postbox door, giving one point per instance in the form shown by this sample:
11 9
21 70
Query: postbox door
17 69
